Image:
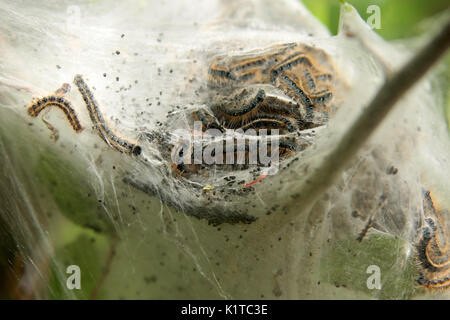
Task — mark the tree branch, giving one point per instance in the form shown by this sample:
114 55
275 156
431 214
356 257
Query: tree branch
355 137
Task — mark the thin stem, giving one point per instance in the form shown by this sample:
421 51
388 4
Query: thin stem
105 272
355 137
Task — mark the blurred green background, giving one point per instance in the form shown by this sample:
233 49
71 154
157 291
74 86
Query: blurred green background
399 18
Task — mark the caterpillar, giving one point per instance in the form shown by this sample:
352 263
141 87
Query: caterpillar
110 137
433 248
37 105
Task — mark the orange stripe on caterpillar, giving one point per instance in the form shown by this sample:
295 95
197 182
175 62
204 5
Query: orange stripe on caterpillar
38 105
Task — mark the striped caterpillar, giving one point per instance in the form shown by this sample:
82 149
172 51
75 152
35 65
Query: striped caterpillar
57 100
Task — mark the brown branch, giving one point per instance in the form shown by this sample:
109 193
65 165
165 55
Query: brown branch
355 137
107 266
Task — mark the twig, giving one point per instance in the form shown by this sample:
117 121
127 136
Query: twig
355 137
107 266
